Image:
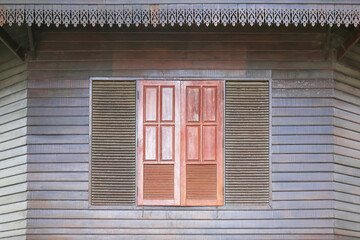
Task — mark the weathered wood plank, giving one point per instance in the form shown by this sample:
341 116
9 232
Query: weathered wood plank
14 234
348 199
303 195
12 89
58 111
61 83
17 96
19 132
344 78
55 93
21 178
302 102
58 186
350 107
312 186
150 232
302 158
58 120
13 125
302 149
348 170
302 93
22 187
18 197
345 133
51 130
178 37
303 167
296 55
302 83
58 102
305 121
309 74
347 161
158 46
58 167
59 176
59 195
58 139
344 142
13 152
58 158
5 118
180 215
302 177
58 148
184 237
298 111
4 164
11 68
17 142
342 178
341 123
347 207
353 153
302 139
301 130
15 207
15 106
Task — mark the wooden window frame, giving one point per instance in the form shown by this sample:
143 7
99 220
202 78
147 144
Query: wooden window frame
189 75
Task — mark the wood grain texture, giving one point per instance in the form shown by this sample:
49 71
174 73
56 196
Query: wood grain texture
302 199
13 150
346 149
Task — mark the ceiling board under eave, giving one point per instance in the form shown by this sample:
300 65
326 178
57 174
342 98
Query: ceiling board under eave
71 2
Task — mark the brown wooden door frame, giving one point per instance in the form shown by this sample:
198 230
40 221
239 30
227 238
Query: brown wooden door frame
202 123
180 164
158 123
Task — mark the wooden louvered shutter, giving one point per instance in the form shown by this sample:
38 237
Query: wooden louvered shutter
247 142
113 143
202 143
159 143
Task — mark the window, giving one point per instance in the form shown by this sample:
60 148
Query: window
180 140
180 151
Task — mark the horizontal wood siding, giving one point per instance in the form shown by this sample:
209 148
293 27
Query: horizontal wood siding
13 158
302 88
347 146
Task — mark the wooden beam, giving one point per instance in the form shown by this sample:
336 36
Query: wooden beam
327 43
348 43
32 44
12 44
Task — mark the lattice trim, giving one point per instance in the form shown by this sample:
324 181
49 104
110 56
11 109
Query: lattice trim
215 14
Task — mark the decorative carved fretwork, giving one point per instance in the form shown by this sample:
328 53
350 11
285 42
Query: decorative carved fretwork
181 14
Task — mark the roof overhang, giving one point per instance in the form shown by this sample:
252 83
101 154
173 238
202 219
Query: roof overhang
151 13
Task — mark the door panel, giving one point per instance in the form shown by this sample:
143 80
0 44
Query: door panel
180 143
202 143
159 143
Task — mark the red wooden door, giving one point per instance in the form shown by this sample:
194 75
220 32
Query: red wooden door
199 138
159 143
202 143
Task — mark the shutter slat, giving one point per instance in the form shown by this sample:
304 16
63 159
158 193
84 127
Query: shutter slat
247 143
201 182
113 143
158 181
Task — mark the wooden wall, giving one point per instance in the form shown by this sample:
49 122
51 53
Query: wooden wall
347 146
302 159
13 102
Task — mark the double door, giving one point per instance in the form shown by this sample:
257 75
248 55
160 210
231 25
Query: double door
180 143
